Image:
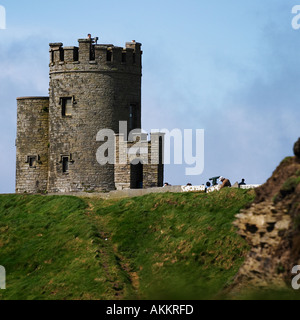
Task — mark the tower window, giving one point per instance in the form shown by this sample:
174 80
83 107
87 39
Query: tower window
76 54
65 164
31 160
66 107
109 56
161 149
61 54
132 117
92 53
124 57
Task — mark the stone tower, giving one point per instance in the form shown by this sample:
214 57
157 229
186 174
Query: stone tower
92 87
32 144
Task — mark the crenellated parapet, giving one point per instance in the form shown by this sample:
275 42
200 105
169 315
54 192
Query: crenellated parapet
89 56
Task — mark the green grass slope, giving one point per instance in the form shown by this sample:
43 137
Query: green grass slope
160 246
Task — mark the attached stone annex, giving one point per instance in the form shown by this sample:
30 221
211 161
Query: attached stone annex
92 87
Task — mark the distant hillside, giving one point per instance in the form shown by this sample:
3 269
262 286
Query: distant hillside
160 246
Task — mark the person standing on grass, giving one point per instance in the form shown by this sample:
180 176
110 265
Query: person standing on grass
243 183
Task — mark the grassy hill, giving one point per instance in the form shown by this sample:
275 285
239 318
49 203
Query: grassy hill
160 246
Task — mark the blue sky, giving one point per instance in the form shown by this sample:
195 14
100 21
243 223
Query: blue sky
229 67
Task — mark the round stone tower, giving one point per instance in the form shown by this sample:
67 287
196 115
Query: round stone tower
92 87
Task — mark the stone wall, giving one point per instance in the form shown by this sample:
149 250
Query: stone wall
149 173
32 142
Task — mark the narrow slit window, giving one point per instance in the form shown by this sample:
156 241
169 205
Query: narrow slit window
109 56
32 161
161 150
124 57
67 107
65 164
92 53
132 117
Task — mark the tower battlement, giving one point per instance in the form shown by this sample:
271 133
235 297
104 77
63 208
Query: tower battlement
89 56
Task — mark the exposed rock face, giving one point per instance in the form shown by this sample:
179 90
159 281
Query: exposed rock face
271 226
297 149
266 228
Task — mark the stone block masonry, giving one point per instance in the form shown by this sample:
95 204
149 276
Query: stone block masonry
32 144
